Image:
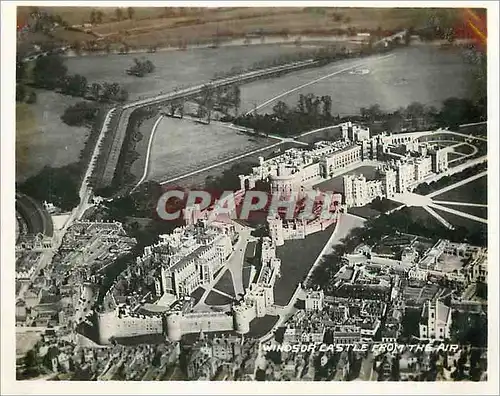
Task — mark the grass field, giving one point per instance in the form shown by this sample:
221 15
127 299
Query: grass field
368 211
473 210
225 284
141 147
337 184
260 326
422 74
173 69
297 257
215 298
182 146
473 192
452 156
459 221
464 149
42 139
164 25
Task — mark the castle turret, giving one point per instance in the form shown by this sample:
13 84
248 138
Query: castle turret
174 330
276 229
242 316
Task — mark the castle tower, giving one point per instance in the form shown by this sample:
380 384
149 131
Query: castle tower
174 330
276 229
241 319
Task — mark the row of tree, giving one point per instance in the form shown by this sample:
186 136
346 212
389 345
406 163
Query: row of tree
316 111
310 112
218 98
51 73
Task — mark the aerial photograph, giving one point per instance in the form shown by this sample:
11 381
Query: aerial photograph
258 193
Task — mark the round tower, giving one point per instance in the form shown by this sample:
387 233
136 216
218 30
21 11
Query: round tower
240 317
174 330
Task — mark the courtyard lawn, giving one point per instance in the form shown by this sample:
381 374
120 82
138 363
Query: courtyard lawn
42 139
225 284
247 271
474 192
336 184
183 146
452 156
215 298
463 149
297 257
172 68
422 74
197 294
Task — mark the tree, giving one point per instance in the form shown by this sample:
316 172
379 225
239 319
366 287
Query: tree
31 97
130 12
119 14
98 16
80 114
20 93
327 105
76 85
415 110
236 99
49 71
20 69
95 90
123 95
77 47
281 109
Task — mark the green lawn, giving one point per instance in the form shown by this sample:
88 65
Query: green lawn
473 192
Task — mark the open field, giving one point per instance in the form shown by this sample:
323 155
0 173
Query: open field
42 139
173 69
422 74
336 184
182 146
473 192
199 179
297 258
166 26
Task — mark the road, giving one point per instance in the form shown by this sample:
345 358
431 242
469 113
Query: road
234 262
237 260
